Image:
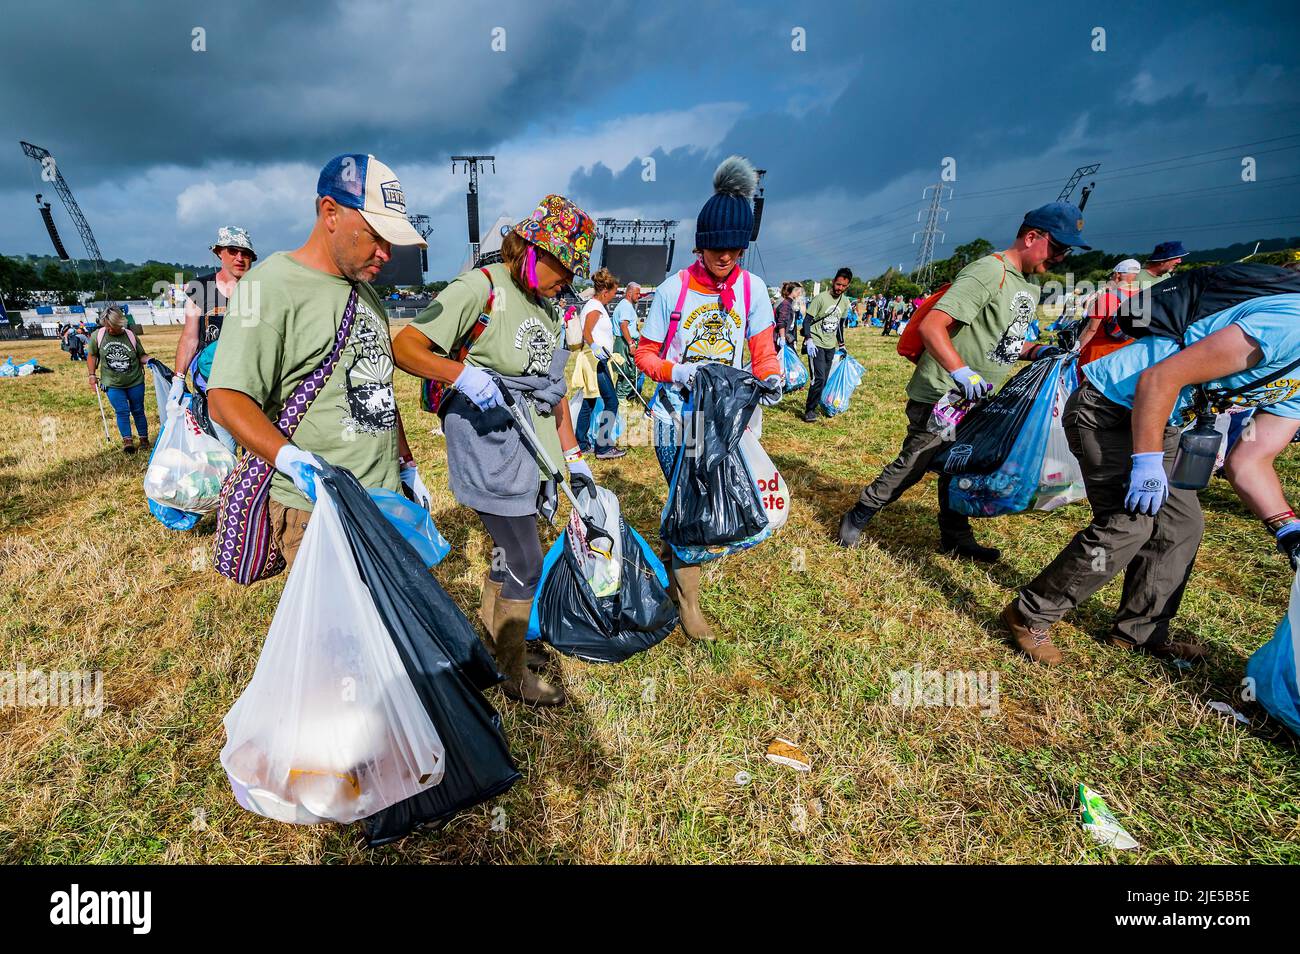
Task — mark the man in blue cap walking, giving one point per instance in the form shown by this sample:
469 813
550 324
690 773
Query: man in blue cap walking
1161 264
972 337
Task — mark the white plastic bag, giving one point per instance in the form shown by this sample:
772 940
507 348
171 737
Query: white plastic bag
1061 481
604 573
188 466
330 727
772 489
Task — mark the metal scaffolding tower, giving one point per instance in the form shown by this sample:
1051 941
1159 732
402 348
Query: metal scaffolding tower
1074 181
473 165
924 269
74 210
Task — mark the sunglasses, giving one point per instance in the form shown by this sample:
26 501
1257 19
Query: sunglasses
1056 248
238 252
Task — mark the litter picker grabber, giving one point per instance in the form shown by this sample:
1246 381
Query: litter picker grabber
618 368
102 417
534 445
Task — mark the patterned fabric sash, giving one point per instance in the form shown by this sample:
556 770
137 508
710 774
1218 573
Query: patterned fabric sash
244 548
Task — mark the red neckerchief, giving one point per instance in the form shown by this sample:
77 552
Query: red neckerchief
725 289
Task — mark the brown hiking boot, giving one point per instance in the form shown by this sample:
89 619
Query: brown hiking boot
1032 641
509 629
684 589
534 659
142 443
1169 649
128 446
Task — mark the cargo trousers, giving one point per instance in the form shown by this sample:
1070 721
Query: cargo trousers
1155 554
911 464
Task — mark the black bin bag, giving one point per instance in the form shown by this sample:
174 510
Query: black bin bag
985 436
712 498
632 610
443 657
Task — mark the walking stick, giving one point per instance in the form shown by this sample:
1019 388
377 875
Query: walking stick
102 416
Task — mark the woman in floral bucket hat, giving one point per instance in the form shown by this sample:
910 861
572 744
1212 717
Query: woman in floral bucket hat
501 320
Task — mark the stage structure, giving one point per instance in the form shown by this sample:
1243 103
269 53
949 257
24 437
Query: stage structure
409 262
473 165
637 250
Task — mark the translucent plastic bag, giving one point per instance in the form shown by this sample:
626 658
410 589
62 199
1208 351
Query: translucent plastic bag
603 572
792 369
169 517
1011 488
414 523
188 466
1061 481
1272 670
330 728
844 377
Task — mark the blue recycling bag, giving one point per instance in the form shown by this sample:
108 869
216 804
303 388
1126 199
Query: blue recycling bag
413 523
1272 669
593 427
1012 486
792 369
844 377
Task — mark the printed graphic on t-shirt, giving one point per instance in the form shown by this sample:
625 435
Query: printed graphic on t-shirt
1008 347
710 335
118 357
538 343
368 376
212 324
831 321
1275 392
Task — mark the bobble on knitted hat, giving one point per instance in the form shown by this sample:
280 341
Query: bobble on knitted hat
727 219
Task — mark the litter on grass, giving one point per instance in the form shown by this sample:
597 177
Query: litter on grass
784 752
1100 822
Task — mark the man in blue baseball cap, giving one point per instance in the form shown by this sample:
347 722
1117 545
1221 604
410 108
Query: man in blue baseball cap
280 332
1166 257
972 336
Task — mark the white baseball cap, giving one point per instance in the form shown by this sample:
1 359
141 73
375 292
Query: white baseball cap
360 181
1130 266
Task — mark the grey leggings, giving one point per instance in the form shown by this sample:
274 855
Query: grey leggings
516 554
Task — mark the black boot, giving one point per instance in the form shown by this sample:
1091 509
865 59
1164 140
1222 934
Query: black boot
852 524
968 548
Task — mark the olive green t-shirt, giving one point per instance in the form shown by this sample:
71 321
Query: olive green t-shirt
279 328
827 313
119 361
992 305
1145 279
520 337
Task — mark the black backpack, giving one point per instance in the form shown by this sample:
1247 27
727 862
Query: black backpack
1165 310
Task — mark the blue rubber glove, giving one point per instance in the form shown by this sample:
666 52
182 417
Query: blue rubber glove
477 385
972 385
683 372
1288 541
300 467
1147 484
810 348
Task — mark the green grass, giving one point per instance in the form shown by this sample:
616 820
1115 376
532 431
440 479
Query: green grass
642 765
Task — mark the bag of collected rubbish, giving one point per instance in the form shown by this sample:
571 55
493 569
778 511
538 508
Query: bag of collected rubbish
724 493
985 435
414 523
1273 670
599 419
188 466
8 369
170 517
1012 487
842 380
366 701
1061 481
596 605
793 372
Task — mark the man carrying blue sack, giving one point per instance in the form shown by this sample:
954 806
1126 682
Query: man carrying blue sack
1122 425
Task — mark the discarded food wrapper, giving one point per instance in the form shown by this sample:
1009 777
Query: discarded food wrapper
784 752
1223 709
1101 823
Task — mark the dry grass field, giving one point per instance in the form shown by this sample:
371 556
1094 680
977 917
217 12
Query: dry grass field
660 759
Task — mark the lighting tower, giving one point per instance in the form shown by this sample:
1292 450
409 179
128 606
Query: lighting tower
473 165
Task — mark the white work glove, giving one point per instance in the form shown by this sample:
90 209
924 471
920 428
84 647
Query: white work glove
414 486
477 385
972 385
812 349
579 468
683 372
300 467
600 351
177 389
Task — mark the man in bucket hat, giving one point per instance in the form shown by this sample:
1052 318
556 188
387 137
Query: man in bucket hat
1164 258
205 309
972 336
282 334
